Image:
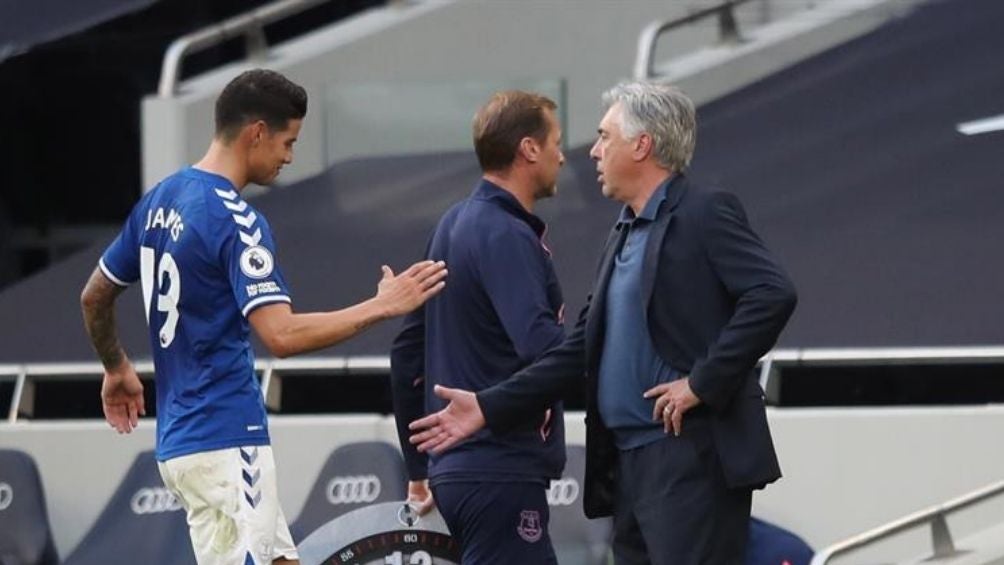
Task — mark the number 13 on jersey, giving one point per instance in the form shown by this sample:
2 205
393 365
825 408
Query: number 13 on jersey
164 279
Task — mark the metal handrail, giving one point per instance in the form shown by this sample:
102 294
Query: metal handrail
728 32
887 355
941 537
270 370
273 369
15 401
249 25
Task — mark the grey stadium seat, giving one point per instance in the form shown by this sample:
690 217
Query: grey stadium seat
577 540
355 475
25 537
142 521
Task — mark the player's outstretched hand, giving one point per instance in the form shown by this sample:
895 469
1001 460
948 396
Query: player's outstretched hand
122 398
459 420
410 289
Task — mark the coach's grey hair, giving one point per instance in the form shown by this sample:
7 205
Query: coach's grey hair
662 111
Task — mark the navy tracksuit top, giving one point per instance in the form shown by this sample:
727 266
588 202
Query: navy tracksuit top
501 309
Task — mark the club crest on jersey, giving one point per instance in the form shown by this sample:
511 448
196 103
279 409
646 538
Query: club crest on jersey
529 526
256 262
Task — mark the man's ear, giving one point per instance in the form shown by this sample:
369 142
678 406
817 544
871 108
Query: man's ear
529 149
642 146
255 132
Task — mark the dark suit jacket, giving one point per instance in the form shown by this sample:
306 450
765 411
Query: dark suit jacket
716 301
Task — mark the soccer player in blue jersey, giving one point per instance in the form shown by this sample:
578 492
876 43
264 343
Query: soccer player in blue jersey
502 310
207 263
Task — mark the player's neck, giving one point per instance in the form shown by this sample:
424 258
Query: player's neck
515 185
224 161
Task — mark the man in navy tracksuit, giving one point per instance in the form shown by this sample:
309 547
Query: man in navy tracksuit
500 311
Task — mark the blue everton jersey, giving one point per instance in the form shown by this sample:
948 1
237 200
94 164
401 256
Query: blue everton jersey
205 259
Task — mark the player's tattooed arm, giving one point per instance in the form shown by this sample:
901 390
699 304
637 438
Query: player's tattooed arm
97 302
121 390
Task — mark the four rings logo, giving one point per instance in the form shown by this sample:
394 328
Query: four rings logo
353 489
153 501
563 492
6 496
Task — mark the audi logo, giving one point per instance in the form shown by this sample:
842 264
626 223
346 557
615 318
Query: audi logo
6 496
154 501
563 492
353 489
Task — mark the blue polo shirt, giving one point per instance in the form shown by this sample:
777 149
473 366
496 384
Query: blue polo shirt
501 309
630 364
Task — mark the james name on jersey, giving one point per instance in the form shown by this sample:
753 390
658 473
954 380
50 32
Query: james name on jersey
172 221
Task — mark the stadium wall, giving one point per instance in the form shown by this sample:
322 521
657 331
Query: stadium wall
411 58
846 470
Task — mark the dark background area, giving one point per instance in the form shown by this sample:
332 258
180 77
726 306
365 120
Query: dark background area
70 109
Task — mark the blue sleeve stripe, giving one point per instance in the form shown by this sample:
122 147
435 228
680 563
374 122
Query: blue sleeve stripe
264 300
108 273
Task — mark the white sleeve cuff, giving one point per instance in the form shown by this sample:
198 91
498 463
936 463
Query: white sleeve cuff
108 273
262 300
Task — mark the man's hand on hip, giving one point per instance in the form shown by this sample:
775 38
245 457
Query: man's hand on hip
672 401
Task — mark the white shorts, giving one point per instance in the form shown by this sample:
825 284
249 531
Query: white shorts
232 505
